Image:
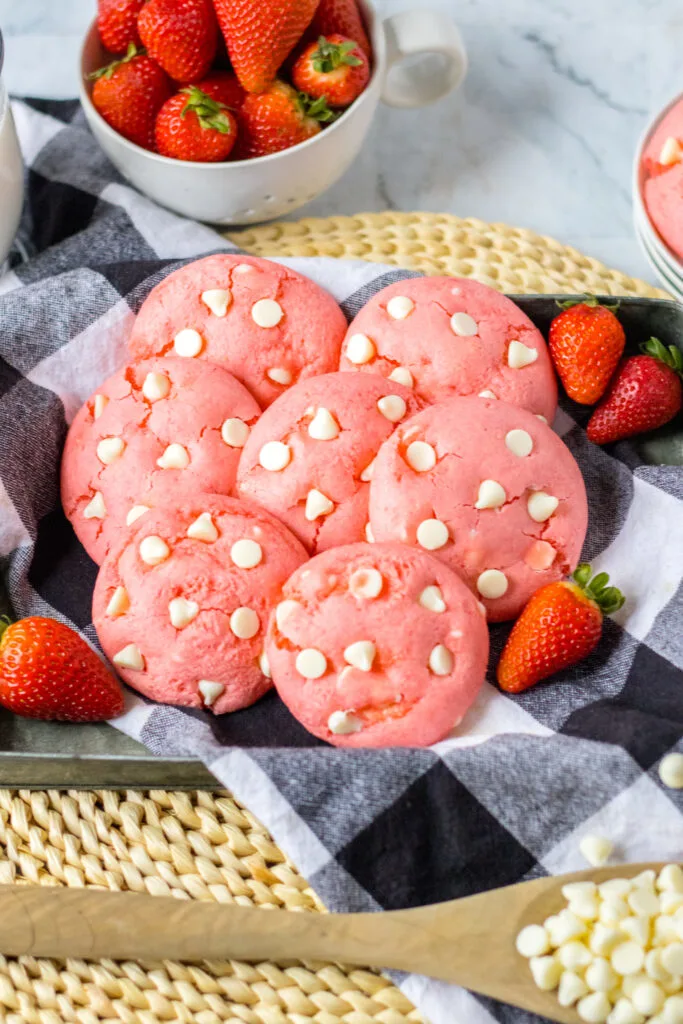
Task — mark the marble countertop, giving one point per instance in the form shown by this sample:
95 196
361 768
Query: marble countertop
541 135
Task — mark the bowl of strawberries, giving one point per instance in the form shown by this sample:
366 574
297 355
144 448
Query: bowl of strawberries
234 112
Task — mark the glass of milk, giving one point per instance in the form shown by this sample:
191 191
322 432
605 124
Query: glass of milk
11 172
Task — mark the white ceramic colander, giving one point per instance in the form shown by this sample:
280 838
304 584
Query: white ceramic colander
419 57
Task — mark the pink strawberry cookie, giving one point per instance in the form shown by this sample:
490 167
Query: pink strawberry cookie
310 457
446 336
490 490
266 324
156 431
377 645
181 606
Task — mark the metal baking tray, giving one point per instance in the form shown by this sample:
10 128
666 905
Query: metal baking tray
57 755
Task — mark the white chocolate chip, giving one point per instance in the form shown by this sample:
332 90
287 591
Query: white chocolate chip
323 426
203 528
671 152
267 313
519 355
637 929
431 598
566 927
274 456
624 1012
670 878
343 723
440 660
153 550
420 456
366 474
279 375
360 655
246 553
101 402
119 603
541 506
491 495
235 432
586 907
546 972
399 307
130 657
671 771
486 394
654 968
392 407
217 300
402 375
672 958
283 610
109 449
464 325
492 583
264 665
244 623
643 902
95 509
135 513
600 976
317 504
243 268
210 691
539 416
595 1008
579 890
432 534
311 663
360 349
174 457
519 442
648 998
369 535
628 958
533 941
574 955
156 386
182 612
596 850
366 583
571 988
188 343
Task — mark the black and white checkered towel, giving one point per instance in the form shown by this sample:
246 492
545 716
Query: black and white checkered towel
507 799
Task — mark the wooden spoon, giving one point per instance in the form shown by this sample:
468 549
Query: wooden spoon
469 941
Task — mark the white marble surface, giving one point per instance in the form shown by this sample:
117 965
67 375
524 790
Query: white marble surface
542 133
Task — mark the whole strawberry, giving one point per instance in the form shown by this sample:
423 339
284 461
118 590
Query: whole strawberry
586 343
259 34
180 35
645 394
278 119
128 94
117 23
224 87
48 671
192 126
334 68
560 625
342 17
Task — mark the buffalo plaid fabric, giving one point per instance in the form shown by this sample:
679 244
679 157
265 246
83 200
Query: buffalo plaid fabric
507 798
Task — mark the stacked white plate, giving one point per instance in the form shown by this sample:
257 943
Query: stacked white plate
666 265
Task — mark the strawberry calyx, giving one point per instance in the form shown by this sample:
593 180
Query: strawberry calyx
316 109
330 56
108 70
608 599
588 300
209 111
670 355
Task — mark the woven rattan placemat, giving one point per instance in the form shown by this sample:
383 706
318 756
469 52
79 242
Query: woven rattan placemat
204 845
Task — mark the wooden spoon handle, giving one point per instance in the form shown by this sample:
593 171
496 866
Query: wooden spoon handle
92 924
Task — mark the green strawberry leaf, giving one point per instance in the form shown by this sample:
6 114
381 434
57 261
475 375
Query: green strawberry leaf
209 111
588 300
671 356
608 599
108 70
330 56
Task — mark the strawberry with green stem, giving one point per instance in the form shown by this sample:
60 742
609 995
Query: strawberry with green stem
560 625
194 126
586 342
129 92
645 393
334 68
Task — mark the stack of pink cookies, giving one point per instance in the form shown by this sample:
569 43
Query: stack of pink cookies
275 497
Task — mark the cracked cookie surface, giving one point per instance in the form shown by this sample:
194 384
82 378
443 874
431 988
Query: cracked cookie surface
490 490
157 430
